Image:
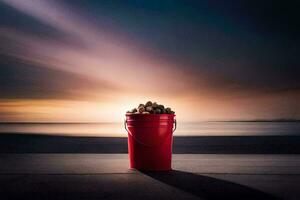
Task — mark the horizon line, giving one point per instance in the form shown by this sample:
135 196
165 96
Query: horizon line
201 121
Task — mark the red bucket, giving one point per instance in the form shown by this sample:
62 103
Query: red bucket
150 138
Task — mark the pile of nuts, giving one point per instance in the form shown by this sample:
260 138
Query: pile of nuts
151 108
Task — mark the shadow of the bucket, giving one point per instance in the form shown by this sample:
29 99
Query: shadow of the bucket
208 187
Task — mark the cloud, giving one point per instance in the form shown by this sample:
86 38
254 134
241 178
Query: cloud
51 50
101 55
20 79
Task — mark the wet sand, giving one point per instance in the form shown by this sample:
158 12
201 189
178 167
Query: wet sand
33 143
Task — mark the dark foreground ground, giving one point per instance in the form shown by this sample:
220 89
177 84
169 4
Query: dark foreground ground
106 176
235 167
26 143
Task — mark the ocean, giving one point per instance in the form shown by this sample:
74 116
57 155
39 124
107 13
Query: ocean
183 129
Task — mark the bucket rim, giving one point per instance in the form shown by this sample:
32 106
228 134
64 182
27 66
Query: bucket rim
139 114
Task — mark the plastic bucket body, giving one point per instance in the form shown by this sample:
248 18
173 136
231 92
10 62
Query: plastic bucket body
150 138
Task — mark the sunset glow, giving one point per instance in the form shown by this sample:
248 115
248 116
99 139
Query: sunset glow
69 65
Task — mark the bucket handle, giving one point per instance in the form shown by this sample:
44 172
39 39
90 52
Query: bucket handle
125 125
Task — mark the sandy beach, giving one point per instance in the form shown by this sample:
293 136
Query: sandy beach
230 167
106 176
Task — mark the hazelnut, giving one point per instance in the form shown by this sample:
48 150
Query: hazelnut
134 110
154 105
149 108
157 111
141 105
149 103
141 109
161 106
168 110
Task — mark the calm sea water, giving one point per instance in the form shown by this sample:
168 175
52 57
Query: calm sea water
183 129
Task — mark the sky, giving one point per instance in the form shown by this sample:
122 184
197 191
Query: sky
91 61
